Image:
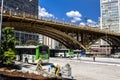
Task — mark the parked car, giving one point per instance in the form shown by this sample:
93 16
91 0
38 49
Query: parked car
116 55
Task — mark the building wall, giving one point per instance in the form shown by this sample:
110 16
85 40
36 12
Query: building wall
28 6
23 37
50 42
40 38
31 7
110 12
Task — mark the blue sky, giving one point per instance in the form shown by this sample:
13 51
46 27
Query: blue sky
76 11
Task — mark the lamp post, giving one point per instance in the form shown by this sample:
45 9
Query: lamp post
107 30
108 19
1 23
106 42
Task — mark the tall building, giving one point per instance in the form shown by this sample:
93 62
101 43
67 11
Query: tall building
110 19
110 15
29 7
53 44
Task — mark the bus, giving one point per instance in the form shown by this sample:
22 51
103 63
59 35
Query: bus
31 54
64 53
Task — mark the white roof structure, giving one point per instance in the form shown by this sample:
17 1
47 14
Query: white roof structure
29 46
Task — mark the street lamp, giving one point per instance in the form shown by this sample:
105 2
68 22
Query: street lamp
1 23
107 19
106 42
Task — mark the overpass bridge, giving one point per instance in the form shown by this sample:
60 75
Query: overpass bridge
72 36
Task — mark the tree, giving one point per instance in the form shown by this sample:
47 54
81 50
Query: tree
8 45
9 56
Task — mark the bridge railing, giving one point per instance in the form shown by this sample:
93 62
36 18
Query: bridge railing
19 13
28 15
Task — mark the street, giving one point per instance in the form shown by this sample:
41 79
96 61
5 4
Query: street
86 69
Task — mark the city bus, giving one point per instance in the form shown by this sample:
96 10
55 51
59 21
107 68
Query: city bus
31 54
64 53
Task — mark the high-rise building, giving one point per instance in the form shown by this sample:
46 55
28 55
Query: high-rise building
29 7
110 15
110 19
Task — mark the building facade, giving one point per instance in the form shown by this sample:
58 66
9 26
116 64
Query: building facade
53 44
23 37
29 7
109 20
110 15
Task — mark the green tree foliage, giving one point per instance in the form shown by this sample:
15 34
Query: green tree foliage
8 45
9 56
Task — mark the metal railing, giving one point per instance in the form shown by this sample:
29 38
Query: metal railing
28 15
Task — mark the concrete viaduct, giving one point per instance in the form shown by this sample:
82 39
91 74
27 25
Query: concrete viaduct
72 36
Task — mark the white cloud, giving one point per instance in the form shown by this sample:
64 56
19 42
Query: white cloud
75 15
82 23
89 21
75 19
44 13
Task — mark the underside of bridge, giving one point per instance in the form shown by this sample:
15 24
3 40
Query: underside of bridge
71 36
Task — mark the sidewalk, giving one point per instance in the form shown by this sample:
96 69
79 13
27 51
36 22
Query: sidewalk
98 60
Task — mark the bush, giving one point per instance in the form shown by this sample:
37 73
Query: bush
9 56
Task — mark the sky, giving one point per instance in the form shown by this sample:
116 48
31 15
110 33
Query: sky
75 11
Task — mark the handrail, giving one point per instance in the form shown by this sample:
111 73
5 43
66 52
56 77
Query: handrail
28 15
18 13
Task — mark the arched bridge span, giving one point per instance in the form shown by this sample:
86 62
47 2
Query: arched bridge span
71 36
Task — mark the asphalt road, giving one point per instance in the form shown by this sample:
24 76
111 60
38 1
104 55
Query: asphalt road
86 69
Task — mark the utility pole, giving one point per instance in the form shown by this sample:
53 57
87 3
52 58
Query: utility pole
85 18
1 24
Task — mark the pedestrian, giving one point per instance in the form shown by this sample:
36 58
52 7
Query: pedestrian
26 60
94 57
77 56
39 66
81 53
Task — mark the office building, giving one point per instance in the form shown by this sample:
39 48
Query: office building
110 15
23 37
53 44
29 7
110 19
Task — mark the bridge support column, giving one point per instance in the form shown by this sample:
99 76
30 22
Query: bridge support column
115 49
77 37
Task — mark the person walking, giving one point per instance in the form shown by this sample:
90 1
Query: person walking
94 56
26 60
